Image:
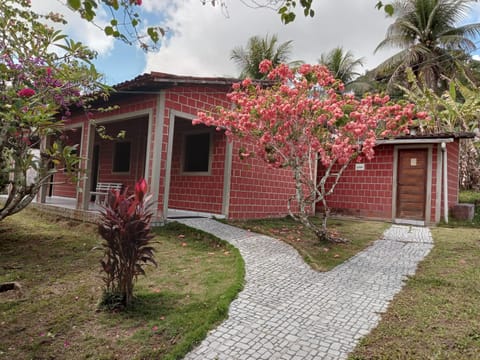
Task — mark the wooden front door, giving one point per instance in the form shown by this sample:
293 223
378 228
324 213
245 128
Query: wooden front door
412 184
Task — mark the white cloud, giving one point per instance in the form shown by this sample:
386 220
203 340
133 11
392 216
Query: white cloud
78 28
158 5
202 37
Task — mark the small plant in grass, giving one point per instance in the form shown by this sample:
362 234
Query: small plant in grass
125 226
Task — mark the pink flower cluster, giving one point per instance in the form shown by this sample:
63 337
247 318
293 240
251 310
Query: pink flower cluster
26 92
305 113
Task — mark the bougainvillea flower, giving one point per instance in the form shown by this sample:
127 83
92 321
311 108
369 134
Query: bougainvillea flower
26 92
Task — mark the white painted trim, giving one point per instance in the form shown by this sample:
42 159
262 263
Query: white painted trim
157 152
168 166
410 222
445 183
148 151
73 126
413 141
438 198
188 213
227 177
124 116
87 180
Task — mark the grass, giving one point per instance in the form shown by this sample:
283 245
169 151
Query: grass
57 263
437 314
321 256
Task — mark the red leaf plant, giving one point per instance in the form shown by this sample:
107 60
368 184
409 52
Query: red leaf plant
125 227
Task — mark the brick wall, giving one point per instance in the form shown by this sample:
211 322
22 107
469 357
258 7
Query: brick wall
136 135
191 191
365 193
126 105
258 191
63 184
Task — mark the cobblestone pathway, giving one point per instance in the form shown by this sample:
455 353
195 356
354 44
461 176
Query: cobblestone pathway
288 311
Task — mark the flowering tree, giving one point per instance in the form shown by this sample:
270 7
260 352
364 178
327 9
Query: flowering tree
42 74
302 117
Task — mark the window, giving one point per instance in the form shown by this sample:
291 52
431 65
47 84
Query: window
196 157
121 157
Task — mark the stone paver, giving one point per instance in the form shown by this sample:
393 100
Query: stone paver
288 311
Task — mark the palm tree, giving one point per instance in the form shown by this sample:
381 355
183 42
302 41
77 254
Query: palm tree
342 64
258 49
430 42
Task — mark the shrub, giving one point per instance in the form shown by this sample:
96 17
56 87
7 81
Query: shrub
125 226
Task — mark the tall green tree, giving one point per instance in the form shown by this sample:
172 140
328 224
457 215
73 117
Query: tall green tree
248 58
430 40
342 64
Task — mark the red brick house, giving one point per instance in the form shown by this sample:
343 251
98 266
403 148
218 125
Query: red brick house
196 170
413 179
190 168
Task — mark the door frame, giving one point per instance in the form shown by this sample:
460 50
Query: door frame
428 196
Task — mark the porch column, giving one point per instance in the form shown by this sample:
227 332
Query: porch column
445 182
42 193
86 151
227 177
156 127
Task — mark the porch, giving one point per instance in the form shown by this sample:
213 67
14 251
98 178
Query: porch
66 207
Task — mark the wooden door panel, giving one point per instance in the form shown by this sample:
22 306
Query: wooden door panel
411 183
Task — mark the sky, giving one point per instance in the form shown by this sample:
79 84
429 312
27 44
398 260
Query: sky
200 37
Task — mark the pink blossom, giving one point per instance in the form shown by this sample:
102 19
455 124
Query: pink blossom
265 66
247 82
26 92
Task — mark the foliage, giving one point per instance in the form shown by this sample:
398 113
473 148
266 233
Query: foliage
287 8
125 23
186 296
302 116
431 43
342 64
125 226
258 49
455 110
42 75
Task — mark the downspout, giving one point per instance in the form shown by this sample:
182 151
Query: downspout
445 182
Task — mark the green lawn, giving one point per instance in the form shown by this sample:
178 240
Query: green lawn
57 263
321 256
437 314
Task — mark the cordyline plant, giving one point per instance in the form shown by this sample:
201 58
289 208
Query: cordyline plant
125 226
303 117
